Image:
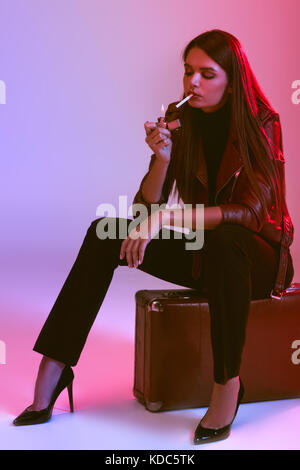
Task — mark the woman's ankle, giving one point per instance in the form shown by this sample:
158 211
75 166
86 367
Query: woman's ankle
232 381
48 376
48 360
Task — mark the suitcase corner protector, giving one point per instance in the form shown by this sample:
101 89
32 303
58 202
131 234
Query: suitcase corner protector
154 405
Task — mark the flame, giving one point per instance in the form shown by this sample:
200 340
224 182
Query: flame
162 110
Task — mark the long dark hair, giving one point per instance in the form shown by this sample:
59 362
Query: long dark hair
247 97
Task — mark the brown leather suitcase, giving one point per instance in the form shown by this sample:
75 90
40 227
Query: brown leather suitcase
173 357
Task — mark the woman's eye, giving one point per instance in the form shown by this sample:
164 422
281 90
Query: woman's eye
208 77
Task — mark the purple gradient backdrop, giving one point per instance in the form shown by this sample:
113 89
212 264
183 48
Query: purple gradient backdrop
81 79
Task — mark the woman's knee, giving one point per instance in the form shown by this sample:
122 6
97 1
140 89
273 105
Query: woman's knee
107 233
290 271
96 230
92 229
108 227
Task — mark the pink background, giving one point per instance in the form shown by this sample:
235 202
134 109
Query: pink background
81 78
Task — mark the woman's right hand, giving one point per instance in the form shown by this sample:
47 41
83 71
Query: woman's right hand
159 140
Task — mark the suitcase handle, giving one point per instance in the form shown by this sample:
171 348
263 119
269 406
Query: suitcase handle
179 294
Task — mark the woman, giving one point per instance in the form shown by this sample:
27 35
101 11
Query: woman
226 155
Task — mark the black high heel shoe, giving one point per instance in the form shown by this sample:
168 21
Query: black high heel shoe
205 435
41 416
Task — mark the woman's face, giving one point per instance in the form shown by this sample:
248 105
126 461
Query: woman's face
206 78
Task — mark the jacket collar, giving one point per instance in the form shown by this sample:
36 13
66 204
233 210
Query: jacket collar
230 163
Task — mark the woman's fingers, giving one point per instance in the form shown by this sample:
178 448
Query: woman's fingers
141 252
149 126
137 252
152 129
130 249
134 251
157 136
158 132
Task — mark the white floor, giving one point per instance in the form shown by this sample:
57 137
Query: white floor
107 416
124 424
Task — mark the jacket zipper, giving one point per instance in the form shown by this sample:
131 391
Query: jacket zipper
236 174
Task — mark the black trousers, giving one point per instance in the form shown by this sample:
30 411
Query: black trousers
238 265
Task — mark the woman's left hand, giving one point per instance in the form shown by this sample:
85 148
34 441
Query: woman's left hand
135 244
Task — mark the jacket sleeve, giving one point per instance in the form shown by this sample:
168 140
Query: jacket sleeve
138 198
248 210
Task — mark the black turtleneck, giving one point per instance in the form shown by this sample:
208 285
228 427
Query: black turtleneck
214 129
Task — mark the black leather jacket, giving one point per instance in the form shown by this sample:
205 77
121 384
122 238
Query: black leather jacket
236 197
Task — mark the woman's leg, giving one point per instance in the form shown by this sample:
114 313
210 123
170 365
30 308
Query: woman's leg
238 266
67 326
66 329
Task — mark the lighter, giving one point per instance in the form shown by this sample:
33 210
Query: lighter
171 125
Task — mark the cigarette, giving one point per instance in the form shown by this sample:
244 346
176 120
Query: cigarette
184 100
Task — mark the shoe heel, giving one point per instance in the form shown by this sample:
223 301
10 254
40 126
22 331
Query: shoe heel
203 435
70 393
